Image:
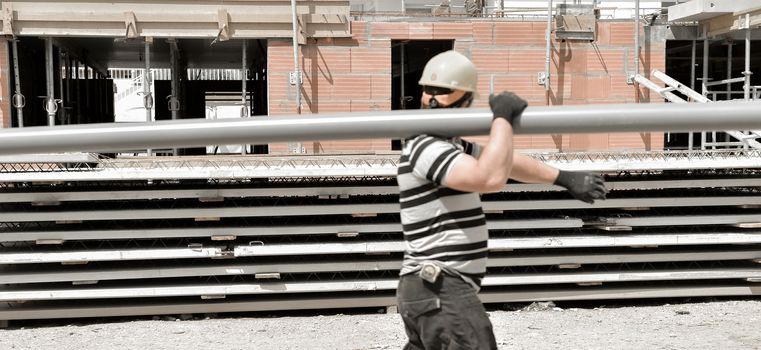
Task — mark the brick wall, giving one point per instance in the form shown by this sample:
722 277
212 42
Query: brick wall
354 74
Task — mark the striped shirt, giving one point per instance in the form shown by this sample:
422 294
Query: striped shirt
440 224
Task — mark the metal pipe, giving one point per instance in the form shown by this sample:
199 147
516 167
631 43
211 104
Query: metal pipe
670 96
747 72
370 125
403 101
694 95
18 98
67 100
704 87
548 53
636 49
174 103
726 81
147 97
729 70
692 65
77 107
62 100
690 135
174 76
296 67
50 105
244 100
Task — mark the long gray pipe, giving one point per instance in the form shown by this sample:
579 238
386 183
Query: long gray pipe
394 124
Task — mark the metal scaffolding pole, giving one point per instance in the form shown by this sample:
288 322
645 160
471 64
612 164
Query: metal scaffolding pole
547 54
244 100
729 70
62 100
403 101
67 100
704 87
392 124
636 49
296 67
692 64
51 107
18 98
174 102
295 78
747 72
690 135
147 97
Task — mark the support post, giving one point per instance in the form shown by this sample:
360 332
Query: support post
706 48
690 135
692 64
403 101
296 66
729 69
78 92
174 102
747 72
147 97
19 101
51 107
296 76
704 87
67 99
636 49
244 99
547 54
57 72
86 73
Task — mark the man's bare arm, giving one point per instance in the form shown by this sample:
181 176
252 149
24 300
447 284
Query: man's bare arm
529 170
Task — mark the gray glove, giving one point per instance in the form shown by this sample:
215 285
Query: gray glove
584 186
507 105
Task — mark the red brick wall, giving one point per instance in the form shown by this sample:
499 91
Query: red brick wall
353 74
5 89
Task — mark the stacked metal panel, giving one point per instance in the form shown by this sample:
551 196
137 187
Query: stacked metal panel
88 237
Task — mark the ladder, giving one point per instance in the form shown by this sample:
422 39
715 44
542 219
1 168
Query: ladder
745 139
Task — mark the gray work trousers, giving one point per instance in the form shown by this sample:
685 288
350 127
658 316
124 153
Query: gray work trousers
443 315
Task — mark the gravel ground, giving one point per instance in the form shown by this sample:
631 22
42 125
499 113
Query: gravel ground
713 325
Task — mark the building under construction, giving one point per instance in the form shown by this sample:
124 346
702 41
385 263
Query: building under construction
313 225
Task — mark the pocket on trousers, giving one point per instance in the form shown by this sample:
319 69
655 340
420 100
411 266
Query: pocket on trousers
415 308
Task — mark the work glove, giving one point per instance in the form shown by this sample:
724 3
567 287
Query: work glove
584 186
507 105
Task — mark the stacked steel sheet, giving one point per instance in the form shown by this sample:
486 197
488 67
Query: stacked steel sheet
88 237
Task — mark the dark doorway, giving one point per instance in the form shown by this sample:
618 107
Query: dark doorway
83 94
408 58
678 66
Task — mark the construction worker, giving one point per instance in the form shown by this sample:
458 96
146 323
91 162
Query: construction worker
443 222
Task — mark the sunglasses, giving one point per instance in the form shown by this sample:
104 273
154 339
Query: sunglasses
435 90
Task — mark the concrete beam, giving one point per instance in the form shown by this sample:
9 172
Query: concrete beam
700 10
173 18
734 21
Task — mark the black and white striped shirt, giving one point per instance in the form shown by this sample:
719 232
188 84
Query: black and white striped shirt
442 225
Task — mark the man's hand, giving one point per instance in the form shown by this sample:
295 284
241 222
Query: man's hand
507 105
584 186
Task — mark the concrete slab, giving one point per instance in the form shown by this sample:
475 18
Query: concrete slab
699 10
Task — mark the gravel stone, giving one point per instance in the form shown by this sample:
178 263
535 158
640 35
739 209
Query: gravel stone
714 325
